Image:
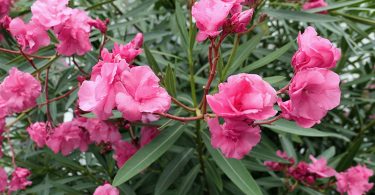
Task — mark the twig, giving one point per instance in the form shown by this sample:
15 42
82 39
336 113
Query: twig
19 53
182 105
60 97
282 90
178 118
49 117
268 121
11 147
79 68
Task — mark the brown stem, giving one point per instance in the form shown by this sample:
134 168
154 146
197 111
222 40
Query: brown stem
132 134
79 68
19 53
182 105
282 90
104 41
212 71
11 147
28 59
178 118
49 117
268 122
58 98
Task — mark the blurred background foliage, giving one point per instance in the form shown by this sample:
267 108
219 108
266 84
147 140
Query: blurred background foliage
345 137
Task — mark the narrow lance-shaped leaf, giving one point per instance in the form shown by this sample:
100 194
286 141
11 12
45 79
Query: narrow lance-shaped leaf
172 171
234 169
148 154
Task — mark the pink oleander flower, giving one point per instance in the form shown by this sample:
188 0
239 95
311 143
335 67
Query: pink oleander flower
314 52
234 138
2 130
99 24
50 13
5 7
313 92
67 137
3 180
276 166
19 179
123 152
98 95
148 134
140 95
246 96
106 189
5 21
131 50
301 173
74 34
19 91
210 16
355 180
319 167
311 4
238 22
38 133
102 131
29 36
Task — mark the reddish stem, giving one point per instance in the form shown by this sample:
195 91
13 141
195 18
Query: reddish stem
268 122
182 105
79 68
212 71
282 90
49 117
11 148
60 97
177 118
19 53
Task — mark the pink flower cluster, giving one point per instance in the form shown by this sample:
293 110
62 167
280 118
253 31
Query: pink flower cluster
17 182
314 89
106 189
214 16
18 92
71 26
311 4
124 150
80 132
5 7
354 181
72 135
243 99
246 98
115 83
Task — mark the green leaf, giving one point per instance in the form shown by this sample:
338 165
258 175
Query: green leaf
290 127
188 181
274 79
148 154
170 81
213 176
288 146
172 171
181 24
243 53
267 59
357 18
263 153
333 6
299 16
151 60
234 169
329 153
347 160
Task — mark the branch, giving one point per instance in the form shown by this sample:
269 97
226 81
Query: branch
268 122
60 97
182 105
178 118
19 53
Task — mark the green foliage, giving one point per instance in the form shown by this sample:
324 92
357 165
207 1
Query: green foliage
169 165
